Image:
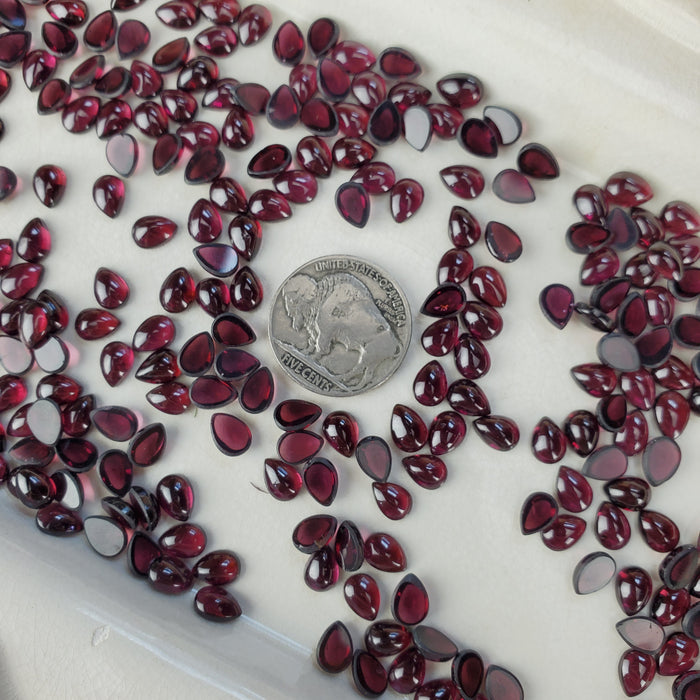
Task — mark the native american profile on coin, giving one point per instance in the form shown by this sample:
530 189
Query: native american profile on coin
337 327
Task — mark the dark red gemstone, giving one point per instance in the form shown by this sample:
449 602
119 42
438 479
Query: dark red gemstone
295 414
217 41
221 95
341 432
638 388
37 68
268 205
314 532
204 222
113 118
199 73
258 391
252 97
246 290
596 319
362 595
384 123
573 490
630 493
446 300
59 39
463 180
218 259
488 286
502 242
14 45
679 218
322 36
632 438
468 672
334 651
322 569
498 432
669 606
410 602
177 291
446 121
179 105
321 479
8 182
57 520
352 203
152 231
408 94
31 487
353 56
393 500
141 553
386 638
115 422
197 354
564 532
133 38
608 295
660 460
233 363
78 454
172 55
627 189
298 446
477 137
605 463
374 457
237 131
440 337
282 480
351 153
101 32
659 531
270 161
184 540
538 161
376 177
218 567
636 670
167 152
557 304
169 575
93 324
205 165
155 333
633 589
383 552
302 81
467 398
353 119
677 655
216 604
461 90
597 380
146 81
178 14
611 412
147 445
369 88
253 23
228 195
108 193
298 186
667 262
349 546
314 155
114 83
548 441
283 108
172 398
538 512
430 385
288 44
446 433
116 361
428 471
405 199
220 11
407 671
209 391
611 526
599 266
672 412
49 183
501 683
673 374
512 186
686 330
116 471
472 359
213 296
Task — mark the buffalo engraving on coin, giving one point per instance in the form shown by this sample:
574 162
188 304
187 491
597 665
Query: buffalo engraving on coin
340 326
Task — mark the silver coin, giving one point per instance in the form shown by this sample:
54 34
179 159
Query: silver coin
340 326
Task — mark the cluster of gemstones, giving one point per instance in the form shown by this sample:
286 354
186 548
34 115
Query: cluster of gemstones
648 366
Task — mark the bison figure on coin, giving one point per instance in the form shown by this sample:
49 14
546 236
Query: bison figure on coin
342 330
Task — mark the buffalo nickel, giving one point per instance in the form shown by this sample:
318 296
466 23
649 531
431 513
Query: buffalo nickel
340 325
